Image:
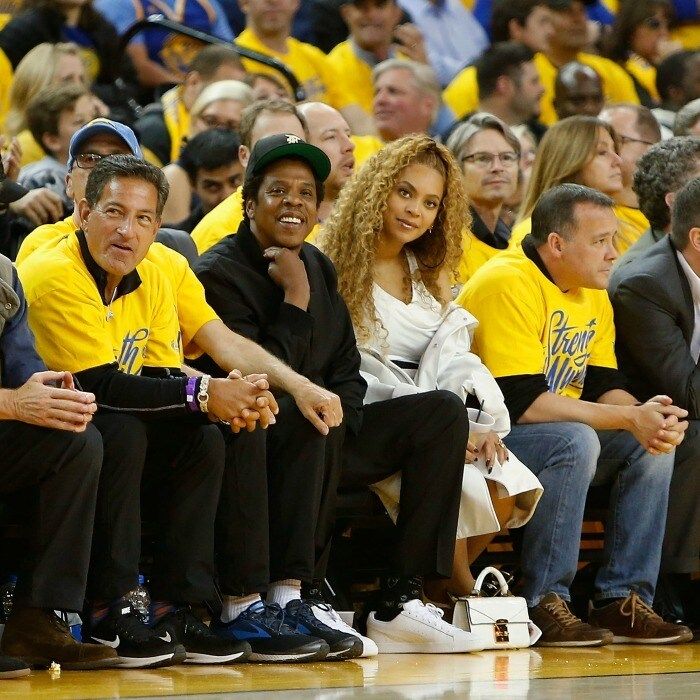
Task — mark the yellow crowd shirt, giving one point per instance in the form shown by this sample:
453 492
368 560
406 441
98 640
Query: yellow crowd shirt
193 312
527 325
645 73
474 254
462 94
31 150
308 63
75 330
177 120
632 224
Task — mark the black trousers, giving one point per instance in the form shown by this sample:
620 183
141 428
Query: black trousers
62 471
278 484
424 436
681 549
177 465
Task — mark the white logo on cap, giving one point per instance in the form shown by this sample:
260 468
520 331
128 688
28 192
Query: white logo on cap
292 139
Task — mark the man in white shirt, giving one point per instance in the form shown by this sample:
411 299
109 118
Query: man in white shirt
657 321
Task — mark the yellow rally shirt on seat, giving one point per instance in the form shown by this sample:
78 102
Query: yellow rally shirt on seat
192 309
75 330
527 325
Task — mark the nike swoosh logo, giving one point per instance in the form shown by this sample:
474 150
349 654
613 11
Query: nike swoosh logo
166 637
114 643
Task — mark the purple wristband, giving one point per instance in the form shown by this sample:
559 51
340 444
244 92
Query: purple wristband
191 394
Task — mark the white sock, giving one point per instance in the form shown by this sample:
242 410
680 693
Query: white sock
235 605
281 592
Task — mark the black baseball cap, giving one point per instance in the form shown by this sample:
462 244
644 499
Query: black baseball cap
273 148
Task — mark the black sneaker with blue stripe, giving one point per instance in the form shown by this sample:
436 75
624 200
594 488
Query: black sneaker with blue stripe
264 627
300 616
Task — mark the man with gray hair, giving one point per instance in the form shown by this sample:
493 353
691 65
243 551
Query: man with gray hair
661 172
407 100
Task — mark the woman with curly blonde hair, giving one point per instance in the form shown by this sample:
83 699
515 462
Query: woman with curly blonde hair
395 238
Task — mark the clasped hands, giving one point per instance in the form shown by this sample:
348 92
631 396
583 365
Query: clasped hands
242 402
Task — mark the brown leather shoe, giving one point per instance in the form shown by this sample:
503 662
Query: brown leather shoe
632 621
561 628
39 637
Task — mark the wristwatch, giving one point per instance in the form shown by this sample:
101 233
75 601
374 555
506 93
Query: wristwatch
203 394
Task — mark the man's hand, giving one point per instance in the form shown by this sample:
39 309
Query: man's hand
239 402
320 406
11 157
658 425
288 272
40 206
410 42
38 403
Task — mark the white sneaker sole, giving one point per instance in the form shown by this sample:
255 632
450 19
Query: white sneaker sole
281 658
148 662
427 648
193 658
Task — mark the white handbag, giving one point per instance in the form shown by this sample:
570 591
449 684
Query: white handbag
499 622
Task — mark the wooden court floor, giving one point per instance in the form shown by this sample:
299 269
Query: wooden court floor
513 674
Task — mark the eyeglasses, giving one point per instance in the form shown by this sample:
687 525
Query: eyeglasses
486 160
212 122
87 161
629 139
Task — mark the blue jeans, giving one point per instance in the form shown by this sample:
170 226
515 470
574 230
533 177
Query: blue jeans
568 458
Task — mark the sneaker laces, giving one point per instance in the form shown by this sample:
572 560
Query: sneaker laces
434 610
302 612
634 606
192 624
271 615
561 613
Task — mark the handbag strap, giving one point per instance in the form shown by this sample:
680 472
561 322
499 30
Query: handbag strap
499 577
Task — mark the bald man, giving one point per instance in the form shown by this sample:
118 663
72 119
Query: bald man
329 131
577 90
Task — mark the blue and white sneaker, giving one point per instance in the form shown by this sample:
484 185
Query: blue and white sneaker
263 626
343 644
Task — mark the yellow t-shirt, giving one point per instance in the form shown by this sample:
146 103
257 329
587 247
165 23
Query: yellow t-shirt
474 254
31 150
193 312
6 77
462 94
632 224
365 146
645 73
177 120
75 330
527 325
308 63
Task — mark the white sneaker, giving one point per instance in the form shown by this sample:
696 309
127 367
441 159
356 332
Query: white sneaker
419 629
325 613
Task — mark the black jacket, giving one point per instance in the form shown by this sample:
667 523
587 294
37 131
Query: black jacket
654 322
318 343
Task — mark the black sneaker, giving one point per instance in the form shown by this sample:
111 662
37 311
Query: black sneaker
201 644
300 616
263 627
137 645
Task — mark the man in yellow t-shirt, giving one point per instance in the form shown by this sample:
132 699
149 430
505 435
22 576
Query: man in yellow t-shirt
269 32
375 35
100 310
546 333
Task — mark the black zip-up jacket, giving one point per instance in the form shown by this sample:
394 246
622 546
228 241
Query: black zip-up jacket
318 343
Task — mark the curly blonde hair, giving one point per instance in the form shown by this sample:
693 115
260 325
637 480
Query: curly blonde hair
350 236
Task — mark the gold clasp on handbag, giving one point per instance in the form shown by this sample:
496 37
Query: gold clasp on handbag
500 631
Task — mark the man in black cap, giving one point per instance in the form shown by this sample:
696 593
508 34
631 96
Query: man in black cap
266 283
50 448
